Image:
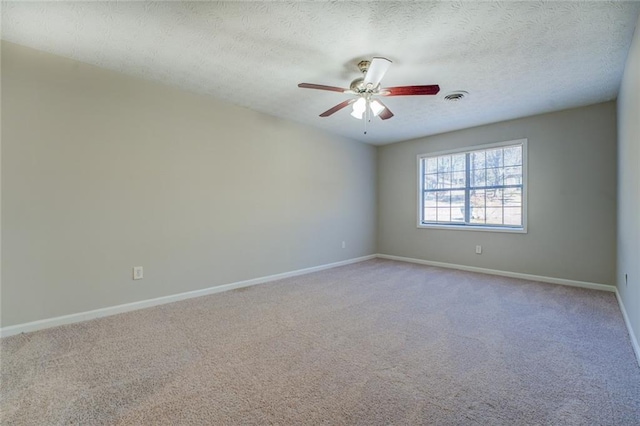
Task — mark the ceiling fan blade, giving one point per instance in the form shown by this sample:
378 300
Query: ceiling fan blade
376 71
321 87
337 107
386 113
410 90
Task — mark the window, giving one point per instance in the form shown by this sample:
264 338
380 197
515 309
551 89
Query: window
481 188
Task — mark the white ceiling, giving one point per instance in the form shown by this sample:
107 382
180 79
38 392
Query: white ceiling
514 58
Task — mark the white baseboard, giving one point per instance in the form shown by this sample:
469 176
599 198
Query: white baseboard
632 336
561 281
112 310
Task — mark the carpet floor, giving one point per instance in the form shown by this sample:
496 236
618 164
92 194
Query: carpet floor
377 342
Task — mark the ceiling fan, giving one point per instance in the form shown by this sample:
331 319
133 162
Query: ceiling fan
367 90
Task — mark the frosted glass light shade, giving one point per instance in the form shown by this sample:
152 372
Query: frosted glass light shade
376 107
358 108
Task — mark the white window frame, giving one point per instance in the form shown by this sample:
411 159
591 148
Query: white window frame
465 227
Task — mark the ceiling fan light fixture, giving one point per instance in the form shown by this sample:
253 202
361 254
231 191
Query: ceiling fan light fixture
376 107
365 88
359 107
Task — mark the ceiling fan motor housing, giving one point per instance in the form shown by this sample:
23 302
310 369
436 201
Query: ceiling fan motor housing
358 86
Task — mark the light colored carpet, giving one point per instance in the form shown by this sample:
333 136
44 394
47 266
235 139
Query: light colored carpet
378 342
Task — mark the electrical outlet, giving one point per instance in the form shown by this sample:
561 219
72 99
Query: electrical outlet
138 273
626 281
344 244
478 249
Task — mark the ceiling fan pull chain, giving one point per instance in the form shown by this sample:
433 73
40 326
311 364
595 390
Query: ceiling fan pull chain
366 116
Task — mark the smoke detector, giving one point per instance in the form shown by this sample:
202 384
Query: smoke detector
456 96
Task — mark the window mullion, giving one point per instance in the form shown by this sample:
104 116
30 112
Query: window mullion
467 184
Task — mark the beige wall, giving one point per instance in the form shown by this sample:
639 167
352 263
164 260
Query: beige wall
571 192
102 172
629 185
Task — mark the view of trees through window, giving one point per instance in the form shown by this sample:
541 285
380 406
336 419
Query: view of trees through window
480 187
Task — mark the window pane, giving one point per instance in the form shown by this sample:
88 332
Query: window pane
444 180
432 165
494 176
430 214
431 181
477 200
478 160
494 215
513 197
444 164
513 175
477 215
513 156
457 206
477 197
478 178
494 157
513 216
457 198
494 197
430 199
444 198
458 162
444 214
458 179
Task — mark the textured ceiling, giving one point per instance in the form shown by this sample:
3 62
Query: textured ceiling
514 58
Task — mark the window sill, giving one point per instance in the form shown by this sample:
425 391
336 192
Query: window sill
474 228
